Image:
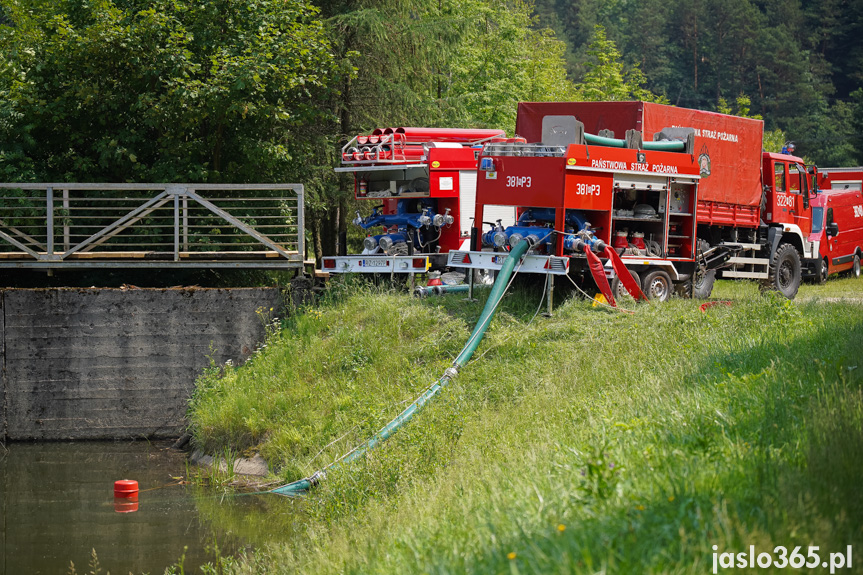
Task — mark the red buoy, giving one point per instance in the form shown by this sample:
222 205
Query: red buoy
126 489
125 506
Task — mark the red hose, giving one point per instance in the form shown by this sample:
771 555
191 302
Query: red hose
703 307
620 269
598 272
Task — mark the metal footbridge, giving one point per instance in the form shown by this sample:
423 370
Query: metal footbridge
95 225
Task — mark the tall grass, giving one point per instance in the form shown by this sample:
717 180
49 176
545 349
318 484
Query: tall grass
590 441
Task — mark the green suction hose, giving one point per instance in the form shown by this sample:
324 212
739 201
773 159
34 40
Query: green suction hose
666 146
494 298
603 141
497 291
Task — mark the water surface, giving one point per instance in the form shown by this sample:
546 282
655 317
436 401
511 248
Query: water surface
57 504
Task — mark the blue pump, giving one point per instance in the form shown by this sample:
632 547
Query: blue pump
537 223
402 218
383 241
547 215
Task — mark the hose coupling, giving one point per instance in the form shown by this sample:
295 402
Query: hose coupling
450 373
316 478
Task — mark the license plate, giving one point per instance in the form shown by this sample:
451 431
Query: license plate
382 263
498 259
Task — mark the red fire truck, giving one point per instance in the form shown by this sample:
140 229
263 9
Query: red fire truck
423 182
684 194
837 221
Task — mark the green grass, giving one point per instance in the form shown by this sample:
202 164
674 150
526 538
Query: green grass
593 440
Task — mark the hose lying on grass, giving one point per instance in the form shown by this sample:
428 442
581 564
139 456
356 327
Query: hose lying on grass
301 486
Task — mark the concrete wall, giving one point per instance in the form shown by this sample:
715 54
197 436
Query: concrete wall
111 363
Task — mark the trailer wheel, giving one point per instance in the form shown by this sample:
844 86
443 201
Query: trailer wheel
784 275
855 268
618 290
702 282
657 285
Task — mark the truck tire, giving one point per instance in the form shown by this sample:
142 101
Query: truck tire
785 271
702 283
683 289
822 272
657 285
855 267
618 290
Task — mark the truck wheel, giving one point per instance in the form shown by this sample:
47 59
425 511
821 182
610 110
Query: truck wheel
784 275
702 282
657 285
683 289
822 272
618 290
702 286
855 268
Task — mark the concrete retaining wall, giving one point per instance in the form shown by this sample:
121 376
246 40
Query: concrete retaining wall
111 363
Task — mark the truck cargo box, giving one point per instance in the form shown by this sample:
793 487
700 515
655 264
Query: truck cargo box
840 178
728 148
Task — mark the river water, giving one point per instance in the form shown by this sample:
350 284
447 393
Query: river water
57 505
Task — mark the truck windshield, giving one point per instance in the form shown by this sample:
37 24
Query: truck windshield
817 220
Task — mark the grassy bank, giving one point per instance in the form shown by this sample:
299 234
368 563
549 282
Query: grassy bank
587 441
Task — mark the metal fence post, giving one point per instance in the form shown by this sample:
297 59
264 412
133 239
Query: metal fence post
49 240
176 227
301 222
185 223
65 220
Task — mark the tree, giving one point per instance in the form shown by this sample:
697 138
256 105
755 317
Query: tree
605 78
449 63
500 62
170 90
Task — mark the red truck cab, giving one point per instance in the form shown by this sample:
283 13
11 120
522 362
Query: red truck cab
789 192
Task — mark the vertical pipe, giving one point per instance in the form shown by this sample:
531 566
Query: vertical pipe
176 227
49 240
550 294
301 230
185 223
66 220
470 285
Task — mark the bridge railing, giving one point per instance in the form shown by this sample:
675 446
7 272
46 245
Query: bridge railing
67 225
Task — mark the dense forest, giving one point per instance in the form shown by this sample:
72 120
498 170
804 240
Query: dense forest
800 62
265 90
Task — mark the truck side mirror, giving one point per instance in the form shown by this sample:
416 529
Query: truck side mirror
832 229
